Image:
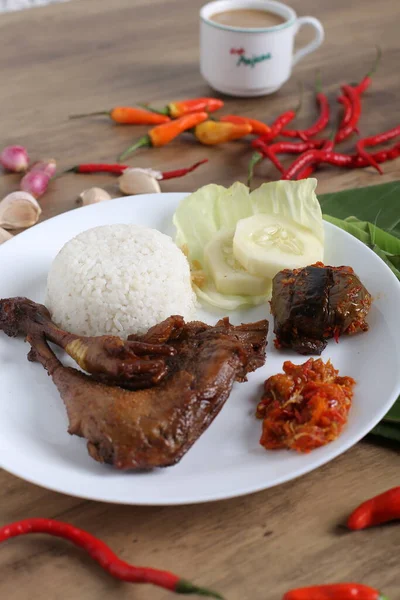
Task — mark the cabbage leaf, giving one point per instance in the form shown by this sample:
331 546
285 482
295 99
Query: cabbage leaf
213 208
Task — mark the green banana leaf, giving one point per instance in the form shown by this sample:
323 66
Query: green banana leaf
378 204
385 245
388 431
372 215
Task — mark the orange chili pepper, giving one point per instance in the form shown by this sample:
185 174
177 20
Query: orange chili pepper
185 107
377 510
211 133
258 127
128 115
163 134
178 109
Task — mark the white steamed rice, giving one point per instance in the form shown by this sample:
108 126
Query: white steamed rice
119 279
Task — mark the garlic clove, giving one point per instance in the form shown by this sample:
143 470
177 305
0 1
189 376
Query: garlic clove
139 181
93 195
4 235
19 210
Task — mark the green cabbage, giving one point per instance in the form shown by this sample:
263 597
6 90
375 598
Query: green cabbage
213 208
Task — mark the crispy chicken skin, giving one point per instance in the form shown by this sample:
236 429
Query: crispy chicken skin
131 364
156 426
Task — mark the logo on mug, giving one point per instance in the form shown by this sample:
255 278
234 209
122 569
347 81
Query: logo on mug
249 62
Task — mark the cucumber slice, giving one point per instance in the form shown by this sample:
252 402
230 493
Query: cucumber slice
265 244
228 274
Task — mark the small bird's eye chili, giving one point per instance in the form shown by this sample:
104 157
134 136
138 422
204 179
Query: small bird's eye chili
322 121
118 169
377 510
163 134
212 133
258 127
335 591
104 556
127 115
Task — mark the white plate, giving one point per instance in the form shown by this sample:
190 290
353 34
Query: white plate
227 460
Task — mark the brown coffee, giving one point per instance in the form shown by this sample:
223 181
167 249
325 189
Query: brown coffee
248 18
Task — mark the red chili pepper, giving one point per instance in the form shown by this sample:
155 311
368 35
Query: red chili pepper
257 127
348 100
351 126
306 173
377 510
128 115
308 159
335 591
322 121
163 134
281 121
278 148
374 140
296 147
356 161
350 161
367 79
266 151
309 170
118 169
182 172
347 110
288 147
104 556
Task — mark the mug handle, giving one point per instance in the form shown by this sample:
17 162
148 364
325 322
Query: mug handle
317 41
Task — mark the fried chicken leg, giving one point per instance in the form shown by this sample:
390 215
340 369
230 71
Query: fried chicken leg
131 364
151 427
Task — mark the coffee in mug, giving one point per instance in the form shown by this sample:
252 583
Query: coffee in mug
246 46
248 17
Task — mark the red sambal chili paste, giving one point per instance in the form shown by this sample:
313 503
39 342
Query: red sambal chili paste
306 407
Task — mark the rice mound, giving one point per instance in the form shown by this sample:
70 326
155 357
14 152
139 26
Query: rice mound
118 279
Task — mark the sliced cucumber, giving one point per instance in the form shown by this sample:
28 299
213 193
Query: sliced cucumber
264 244
228 274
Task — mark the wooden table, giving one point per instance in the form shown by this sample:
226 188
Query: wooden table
89 55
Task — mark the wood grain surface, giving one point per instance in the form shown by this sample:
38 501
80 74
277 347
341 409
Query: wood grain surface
92 55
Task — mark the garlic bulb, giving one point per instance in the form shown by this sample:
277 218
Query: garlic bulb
19 210
93 195
140 181
4 235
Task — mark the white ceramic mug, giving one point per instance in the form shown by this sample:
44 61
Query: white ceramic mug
251 62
